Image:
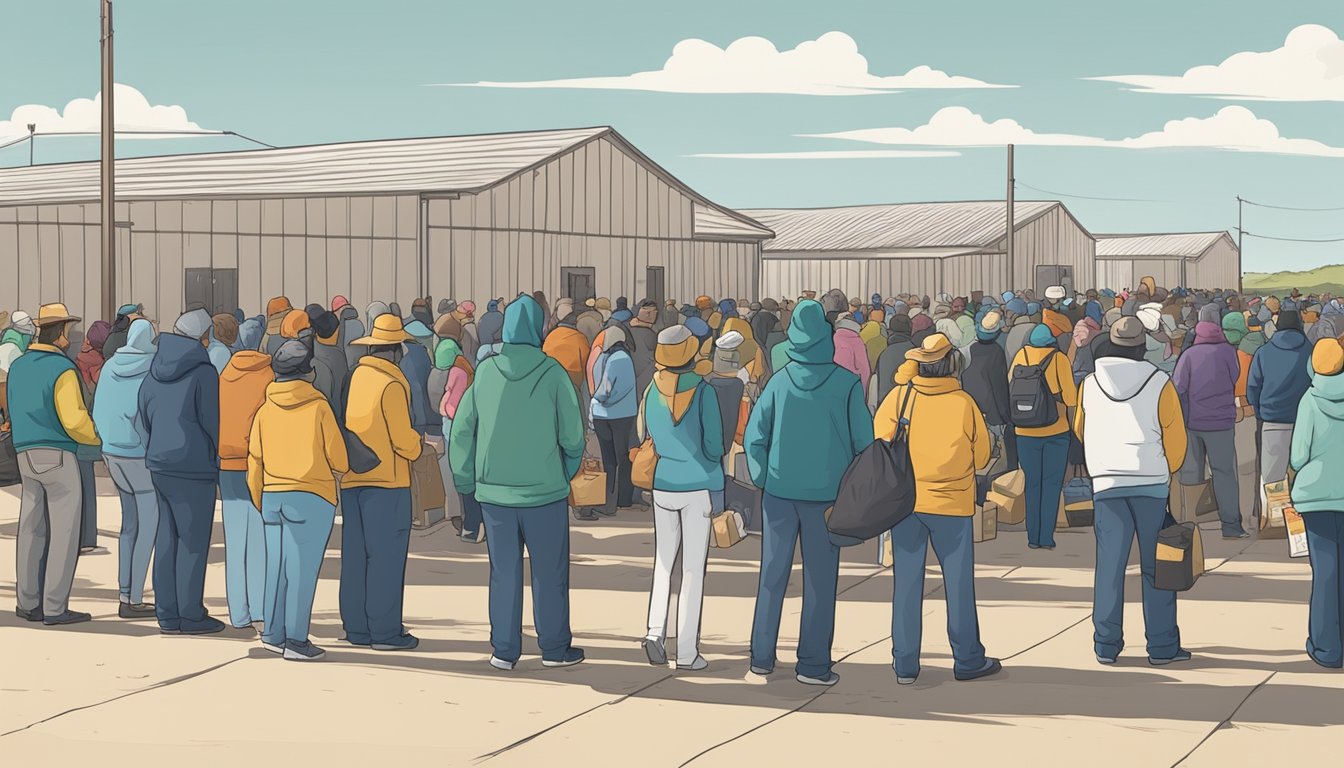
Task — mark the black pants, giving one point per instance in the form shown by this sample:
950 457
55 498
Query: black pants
616 437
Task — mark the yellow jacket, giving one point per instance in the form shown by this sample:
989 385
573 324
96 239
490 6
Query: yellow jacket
948 441
379 412
1060 378
296 444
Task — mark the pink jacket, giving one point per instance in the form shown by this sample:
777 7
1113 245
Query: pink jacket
452 393
852 355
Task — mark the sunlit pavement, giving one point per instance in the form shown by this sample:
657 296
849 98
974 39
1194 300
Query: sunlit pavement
113 692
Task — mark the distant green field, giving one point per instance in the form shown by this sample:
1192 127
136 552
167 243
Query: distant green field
1322 280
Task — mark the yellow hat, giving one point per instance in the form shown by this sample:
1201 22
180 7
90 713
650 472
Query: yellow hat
387 330
677 347
1327 357
934 348
51 314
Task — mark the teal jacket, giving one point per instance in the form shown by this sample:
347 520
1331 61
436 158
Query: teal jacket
690 451
811 420
1318 442
32 402
517 438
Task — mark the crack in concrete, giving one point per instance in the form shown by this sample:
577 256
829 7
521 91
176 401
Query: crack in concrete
1226 722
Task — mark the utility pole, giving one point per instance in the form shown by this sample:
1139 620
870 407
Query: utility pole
32 136
109 229
1239 233
1012 265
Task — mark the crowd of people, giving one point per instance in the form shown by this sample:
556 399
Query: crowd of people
293 416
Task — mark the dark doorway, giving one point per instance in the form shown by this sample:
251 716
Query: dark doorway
580 283
654 287
214 290
1054 274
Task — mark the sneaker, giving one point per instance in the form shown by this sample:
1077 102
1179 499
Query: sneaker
694 666
1181 655
272 647
829 679
406 642
135 610
500 664
572 656
356 644
991 667
1103 658
305 651
603 511
1234 536
474 537
906 680
210 626
1311 652
33 615
584 515
762 671
656 652
69 617
1033 546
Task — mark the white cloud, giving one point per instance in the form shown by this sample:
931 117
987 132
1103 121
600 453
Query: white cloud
1233 129
835 154
1309 67
831 65
134 113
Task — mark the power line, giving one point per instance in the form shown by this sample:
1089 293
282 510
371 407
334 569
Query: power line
1089 197
32 136
1294 239
1291 208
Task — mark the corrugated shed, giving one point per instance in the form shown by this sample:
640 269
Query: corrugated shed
885 227
711 223
1190 245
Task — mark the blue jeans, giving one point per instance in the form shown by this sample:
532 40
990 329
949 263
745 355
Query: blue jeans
545 532
139 524
298 525
1044 460
471 508
953 544
785 521
182 544
244 550
1117 521
375 537
1325 544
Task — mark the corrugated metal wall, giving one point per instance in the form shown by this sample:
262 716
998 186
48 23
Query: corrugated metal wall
1052 239
1122 274
1220 267
856 275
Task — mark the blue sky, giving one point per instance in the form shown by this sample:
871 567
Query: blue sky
305 71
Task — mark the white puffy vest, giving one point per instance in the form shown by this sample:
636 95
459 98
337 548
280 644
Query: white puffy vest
1123 440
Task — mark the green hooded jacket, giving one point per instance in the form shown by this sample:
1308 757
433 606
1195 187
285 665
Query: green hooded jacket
1318 442
517 437
811 420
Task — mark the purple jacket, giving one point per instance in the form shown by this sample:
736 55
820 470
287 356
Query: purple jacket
1205 378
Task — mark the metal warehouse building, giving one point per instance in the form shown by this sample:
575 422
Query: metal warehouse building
925 248
1190 260
571 212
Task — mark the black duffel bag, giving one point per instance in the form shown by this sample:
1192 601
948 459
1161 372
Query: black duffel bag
9 460
878 489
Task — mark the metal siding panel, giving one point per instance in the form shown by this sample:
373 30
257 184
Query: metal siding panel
604 187
408 216
439 253
75 272
315 271
168 215
9 254
361 274
522 209
224 252
223 216
169 250
565 193
383 285
408 273
195 250
30 269
629 196
336 216
272 269
384 217
143 274
658 202
142 215
50 268
295 216
440 212
464 262
196 215
554 202
272 217
315 216
249 274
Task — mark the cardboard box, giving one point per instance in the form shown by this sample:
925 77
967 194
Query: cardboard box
1277 499
427 493
589 486
728 529
1011 483
985 523
1012 509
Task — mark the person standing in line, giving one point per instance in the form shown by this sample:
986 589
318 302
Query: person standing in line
949 443
614 407
517 442
276 311
451 364
682 418
90 361
295 450
643 342
330 369
223 336
116 414
376 505
48 423
242 390
116 338
179 403
1318 494
986 381
806 428
1133 433
898 343
1044 451
1278 379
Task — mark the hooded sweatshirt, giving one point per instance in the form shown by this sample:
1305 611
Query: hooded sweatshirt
811 420
179 406
351 329
614 392
250 332
1278 377
115 412
242 390
12 344
1318 442
570 348
378 411
681 416
898 343
415 366
986 381
296 444
518 434
850 352
1129 421
1206 380
451 377
1059 377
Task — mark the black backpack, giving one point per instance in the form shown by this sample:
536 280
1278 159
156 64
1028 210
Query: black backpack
1029 396
878 489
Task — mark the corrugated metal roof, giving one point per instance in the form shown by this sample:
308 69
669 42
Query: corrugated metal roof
881 227
711 222
447 164
1190 245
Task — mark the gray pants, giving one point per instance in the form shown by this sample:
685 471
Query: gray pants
49 520
1275 442
1220 450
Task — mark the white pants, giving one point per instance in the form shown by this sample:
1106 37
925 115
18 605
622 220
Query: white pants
681 521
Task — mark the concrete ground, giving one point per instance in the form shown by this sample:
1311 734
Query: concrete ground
113 692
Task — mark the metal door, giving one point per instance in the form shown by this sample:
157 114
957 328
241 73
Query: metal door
655 289
224 291
580 284
199 291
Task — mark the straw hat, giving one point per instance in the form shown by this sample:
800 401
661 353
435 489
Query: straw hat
52 314
387 330
935 347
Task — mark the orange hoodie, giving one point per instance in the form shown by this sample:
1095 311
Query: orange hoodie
570 349
242 390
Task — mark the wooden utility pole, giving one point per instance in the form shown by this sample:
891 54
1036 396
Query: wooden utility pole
1239 233
1008 237
109 210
